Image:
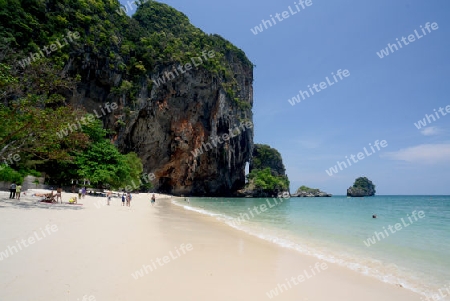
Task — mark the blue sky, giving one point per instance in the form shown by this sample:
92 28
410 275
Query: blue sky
380 100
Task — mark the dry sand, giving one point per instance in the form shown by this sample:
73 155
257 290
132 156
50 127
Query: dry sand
96 250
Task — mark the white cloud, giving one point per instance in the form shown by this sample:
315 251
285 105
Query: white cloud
430 131
423 153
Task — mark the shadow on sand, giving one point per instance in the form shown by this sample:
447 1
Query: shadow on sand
33 204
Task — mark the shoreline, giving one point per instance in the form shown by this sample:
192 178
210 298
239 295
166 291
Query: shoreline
96 251
312 263
313 249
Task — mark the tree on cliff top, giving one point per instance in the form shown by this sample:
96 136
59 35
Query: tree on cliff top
264 156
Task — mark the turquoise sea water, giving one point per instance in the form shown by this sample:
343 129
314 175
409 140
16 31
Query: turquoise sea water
416 256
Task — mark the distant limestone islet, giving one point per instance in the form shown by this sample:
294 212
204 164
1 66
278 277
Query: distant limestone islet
305 191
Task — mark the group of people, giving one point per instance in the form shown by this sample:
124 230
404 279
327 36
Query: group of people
126 197
49 197
81 193
14 191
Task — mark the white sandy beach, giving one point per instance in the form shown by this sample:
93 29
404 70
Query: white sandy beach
98 252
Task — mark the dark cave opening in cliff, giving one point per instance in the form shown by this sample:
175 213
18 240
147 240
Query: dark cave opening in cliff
165 185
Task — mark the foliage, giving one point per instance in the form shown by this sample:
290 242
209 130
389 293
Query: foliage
146 186
8 174
32 108
242 104
166 37
31 172
5 76
267 169
32 24
365 184
263 179
34 100
136 169
100 162
263 156
307 189
157 34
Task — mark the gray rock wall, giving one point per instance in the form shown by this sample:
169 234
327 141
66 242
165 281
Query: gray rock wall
168 122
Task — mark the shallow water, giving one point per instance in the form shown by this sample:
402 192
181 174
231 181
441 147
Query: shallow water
409 243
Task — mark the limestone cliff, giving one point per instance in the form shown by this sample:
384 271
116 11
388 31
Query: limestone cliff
167 123
176 119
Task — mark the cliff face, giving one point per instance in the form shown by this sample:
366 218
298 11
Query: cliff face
169 125
124 70
176 121
359 192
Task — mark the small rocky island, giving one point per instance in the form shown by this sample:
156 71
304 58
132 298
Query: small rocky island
305 191
362 187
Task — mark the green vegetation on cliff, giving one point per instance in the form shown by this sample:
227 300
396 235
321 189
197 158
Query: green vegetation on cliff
264 156
157 36
304 188
265 180
267 172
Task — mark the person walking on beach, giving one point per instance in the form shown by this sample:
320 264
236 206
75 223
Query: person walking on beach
153 199
80 191
108 196
123 199
12 190
58 194
128 199
18 188
83 192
